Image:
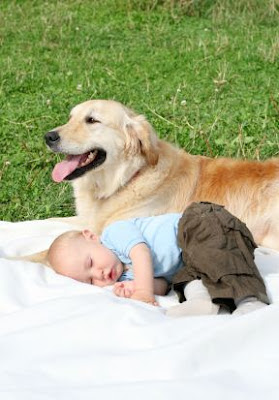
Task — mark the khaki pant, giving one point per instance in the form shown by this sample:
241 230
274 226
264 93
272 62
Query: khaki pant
218 249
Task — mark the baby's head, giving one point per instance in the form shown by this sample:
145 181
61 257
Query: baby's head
80 255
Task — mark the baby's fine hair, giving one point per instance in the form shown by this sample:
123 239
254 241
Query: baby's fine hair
58 243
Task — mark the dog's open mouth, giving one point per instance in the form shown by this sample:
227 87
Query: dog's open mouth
75 166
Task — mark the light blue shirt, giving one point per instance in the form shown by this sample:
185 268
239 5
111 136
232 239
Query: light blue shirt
159 233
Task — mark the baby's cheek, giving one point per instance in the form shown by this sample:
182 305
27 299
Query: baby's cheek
98 283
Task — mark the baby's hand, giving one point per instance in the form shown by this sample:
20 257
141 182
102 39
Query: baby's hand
145 297
124 289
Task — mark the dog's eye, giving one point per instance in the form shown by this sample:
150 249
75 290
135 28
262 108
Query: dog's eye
91 120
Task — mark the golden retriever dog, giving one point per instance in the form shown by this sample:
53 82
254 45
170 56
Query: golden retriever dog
119 169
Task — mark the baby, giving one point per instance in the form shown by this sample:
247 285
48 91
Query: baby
81 255
205 252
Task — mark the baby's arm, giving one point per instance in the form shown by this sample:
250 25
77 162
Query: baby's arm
143 273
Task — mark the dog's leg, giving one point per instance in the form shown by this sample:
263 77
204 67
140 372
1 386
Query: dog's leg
271 239
40 257
76 221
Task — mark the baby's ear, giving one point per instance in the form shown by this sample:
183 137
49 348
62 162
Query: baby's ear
89 235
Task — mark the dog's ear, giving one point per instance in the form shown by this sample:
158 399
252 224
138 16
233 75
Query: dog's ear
141 137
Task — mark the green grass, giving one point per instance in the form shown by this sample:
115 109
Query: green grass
205 73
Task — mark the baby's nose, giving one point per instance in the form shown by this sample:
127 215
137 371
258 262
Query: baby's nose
99 274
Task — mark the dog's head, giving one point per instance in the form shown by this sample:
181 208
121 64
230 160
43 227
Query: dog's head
99 134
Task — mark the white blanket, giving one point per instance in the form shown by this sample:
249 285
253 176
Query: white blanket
62 339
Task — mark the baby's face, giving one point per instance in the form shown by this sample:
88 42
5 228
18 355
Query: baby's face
85 259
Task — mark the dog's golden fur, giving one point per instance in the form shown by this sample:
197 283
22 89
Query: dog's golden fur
143 175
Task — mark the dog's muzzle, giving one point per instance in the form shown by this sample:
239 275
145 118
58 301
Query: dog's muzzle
74 165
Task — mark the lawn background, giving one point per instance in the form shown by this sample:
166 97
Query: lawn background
205 73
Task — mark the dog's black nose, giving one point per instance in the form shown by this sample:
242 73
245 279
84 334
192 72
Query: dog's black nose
52 138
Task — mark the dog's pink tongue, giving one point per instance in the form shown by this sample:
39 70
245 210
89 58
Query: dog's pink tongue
64 168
